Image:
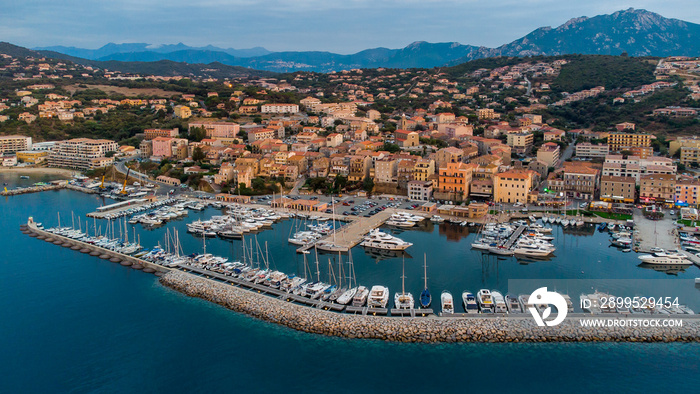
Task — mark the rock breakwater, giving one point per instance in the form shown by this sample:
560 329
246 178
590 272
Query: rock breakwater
420 329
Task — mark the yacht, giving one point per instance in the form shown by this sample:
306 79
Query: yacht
447 303
485 301
378 297
380 240
469 302
513 304
499 302
665 258
501 251
360 297
403 300
346 297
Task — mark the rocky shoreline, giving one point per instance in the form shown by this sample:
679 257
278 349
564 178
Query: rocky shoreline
426 330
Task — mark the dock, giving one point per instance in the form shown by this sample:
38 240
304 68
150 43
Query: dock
118 207
352 234
514 237
44 188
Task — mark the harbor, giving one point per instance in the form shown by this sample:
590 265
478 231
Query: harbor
316 316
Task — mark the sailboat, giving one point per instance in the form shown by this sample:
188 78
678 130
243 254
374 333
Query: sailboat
403 300
425 297
328 246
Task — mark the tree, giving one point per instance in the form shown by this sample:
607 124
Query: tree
197 134
198 154
368 185
340 182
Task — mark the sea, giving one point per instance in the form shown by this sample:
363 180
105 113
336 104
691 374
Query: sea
75 323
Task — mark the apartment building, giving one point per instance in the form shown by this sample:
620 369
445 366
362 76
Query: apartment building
617 189
512 186
623 141
657 188
589 151
635 166
520 143
385 171
423 169
687 192
182 111
150 134
279 108
689 155
259 134
549 154
420 190
689 142
82 153
14 143
448 155
580 182
454 179
218 130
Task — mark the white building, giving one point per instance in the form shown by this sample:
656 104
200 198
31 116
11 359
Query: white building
279 108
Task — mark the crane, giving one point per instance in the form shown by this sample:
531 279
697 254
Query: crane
125 179
102 185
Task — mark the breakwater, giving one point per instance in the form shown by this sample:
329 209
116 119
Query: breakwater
37 189
431 329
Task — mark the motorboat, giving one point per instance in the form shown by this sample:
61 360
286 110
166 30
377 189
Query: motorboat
513 304
665 258
499 302
378 297
360 298
447 302
469 302
377 239
501 251
348 296
485 301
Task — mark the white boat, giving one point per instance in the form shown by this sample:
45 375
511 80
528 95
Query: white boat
469 302
378 297
481 245
403 300
501 250
360 297
447 302
513 304
346 297
499 303
485 301
665 258
377 239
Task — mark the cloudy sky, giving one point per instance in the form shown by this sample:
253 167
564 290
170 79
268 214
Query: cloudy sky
344 26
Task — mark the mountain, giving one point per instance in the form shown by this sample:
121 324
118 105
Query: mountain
112 49
637 32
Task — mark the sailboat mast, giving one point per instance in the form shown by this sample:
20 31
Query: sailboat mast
403 276
425 271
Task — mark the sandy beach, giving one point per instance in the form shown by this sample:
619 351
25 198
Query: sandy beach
40 170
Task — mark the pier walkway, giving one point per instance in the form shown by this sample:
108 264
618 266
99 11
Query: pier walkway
44 188
352 234
514 237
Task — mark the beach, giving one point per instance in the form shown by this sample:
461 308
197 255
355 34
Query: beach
40 170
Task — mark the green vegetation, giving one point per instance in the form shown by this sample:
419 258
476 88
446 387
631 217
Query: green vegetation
613 72
610 215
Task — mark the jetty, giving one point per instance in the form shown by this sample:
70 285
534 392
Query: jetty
45 188
347 237
514 237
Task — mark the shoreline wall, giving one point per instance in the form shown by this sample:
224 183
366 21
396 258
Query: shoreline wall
422 329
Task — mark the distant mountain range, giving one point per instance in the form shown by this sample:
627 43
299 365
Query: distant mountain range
636 32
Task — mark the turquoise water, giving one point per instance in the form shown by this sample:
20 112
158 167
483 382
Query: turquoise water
74 323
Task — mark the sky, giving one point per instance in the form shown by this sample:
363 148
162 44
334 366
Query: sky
345 26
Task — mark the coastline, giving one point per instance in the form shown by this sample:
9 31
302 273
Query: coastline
422 330
40 170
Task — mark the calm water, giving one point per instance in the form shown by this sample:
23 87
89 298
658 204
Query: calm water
75 323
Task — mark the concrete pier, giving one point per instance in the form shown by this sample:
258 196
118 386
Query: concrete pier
352 234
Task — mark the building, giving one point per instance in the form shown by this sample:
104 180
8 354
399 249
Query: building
588 150
150 134
182 111
687 192
334 139
82 153
635 167
168 180
580 181
624 141
549 154
423 169
690 142
420 190
259 134
485 113
14 143
279 108
448 155
521 143
385 171
166 147
217 130
512 186
8 160
32 156
657 189
454 180
617 189
689 155
406 139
